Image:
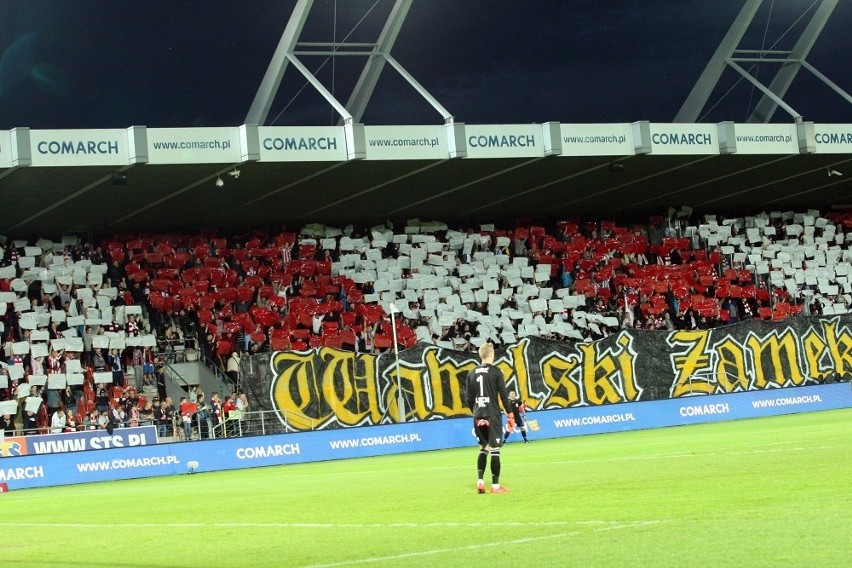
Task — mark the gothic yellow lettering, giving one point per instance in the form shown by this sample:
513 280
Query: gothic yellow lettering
444 394
839 344
815 349
776 360
730 368
350 396
626 360
607 377
691 366
556 372
295 392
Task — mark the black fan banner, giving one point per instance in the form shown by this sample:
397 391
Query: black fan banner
330 388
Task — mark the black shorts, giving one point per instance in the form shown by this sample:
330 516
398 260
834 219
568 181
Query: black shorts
490 434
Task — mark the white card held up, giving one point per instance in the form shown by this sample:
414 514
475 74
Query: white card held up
75 378
37 380
102 377
26 262
22 305
8 406
20 347
38 350
16 372
32 404
56 381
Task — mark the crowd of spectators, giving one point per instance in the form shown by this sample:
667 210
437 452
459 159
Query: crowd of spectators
98 312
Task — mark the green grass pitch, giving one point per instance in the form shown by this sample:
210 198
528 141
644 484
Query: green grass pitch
763 492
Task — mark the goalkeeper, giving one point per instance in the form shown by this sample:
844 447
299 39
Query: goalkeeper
517 411
486 389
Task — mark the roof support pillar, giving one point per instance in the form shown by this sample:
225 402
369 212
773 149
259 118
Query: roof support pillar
378 54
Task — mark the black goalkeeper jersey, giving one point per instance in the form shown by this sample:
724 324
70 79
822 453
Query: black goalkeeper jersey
485 386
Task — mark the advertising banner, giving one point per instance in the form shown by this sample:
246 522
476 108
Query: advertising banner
406 142
79 147
219 145
684 138
5 149
302 144
78 441
238 453
692 410
766 139
833 138
329 388
504 141
597 140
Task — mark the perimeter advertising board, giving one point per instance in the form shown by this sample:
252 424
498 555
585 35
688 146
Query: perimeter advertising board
5 149
219 145
79 147
302 144
833 138
238 453
77 441
597 140
766 139
406 142
504 141
684 138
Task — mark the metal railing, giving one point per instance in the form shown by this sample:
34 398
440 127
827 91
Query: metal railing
175 375
225 384
240 424
216 370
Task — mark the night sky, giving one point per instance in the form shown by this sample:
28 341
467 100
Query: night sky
169 63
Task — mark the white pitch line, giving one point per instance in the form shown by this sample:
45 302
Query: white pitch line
680 455
510 524
475 546
784 443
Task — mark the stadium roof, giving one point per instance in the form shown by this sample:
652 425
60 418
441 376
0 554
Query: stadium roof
55 200
56 183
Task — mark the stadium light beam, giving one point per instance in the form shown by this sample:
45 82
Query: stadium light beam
400 401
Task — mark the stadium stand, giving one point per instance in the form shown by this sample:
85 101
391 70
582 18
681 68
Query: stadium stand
90 312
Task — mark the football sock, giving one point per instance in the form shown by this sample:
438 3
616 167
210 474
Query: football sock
495 467
480 463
